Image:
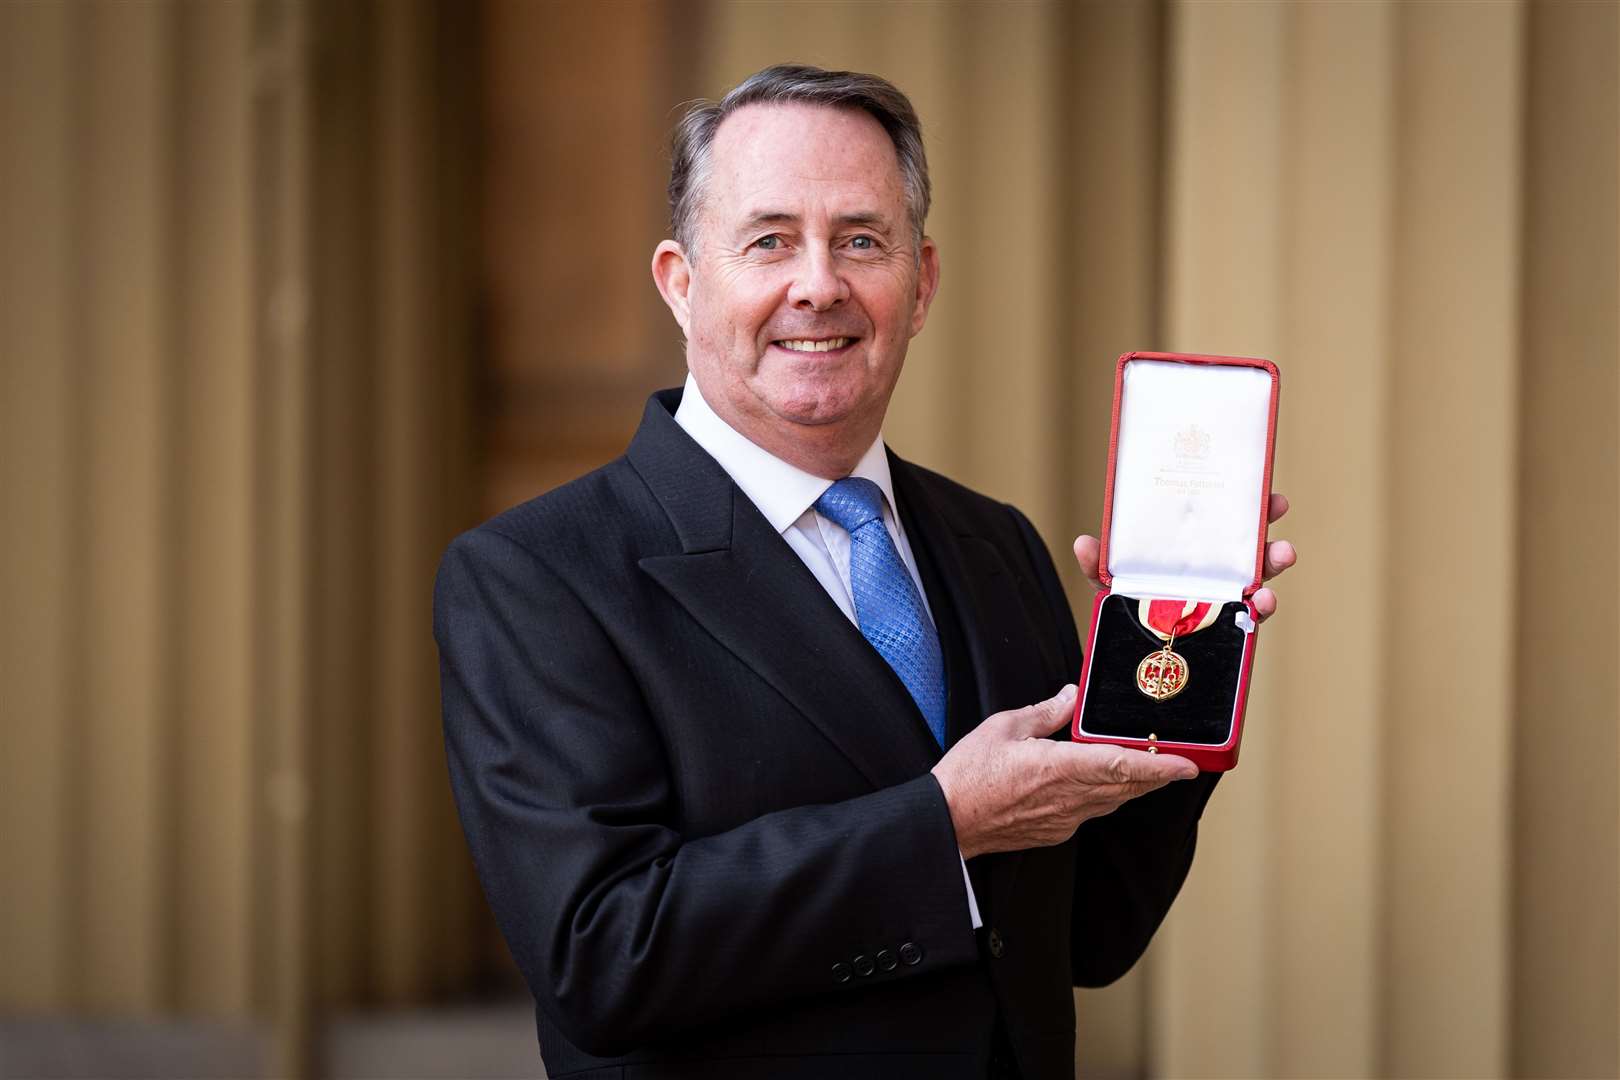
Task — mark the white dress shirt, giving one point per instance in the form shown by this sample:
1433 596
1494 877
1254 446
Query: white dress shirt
786 495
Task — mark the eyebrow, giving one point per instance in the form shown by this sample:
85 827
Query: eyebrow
867 218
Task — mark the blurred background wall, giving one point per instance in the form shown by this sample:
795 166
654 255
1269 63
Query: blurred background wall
291 292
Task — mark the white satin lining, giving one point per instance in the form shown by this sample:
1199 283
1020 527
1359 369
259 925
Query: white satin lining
1189 474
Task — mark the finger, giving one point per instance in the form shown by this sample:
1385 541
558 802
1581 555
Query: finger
1277 507
1265 603
1280 555
1168 767
1044 717
1088 552
1103 764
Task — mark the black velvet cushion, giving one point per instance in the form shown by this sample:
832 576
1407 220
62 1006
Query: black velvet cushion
1201 713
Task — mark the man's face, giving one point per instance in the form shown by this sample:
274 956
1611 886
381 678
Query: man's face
806 286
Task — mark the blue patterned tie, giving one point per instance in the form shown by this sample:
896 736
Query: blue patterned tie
887 605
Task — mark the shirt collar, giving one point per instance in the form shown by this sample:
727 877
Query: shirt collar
781 491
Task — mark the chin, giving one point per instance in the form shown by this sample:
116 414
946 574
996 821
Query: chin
815 405
809 413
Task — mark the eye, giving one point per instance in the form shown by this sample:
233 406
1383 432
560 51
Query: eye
768 243
863 243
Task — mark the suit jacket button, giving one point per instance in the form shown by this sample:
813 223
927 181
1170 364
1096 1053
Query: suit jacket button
885 960
910 953
997 946
841 972
863 965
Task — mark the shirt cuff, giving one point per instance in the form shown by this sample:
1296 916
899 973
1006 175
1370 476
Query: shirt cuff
973 901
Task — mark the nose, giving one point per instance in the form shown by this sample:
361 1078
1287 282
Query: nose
817 285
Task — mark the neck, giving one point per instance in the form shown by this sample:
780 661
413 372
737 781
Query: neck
830 451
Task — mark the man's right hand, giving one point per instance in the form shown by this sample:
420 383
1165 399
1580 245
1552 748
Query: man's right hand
1009 787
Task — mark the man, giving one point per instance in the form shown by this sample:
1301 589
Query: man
739 725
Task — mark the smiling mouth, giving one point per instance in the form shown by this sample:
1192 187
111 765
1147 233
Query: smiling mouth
815 345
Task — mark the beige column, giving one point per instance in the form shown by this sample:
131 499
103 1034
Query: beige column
215 526
1565 1002
283 588
1006 285
421 895
1323 653
344 847
39 552
1453 428
405 739
126 385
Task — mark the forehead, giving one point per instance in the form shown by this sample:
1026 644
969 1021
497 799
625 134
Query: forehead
779 156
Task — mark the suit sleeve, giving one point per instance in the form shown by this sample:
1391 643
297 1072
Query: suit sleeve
1129 865
626 930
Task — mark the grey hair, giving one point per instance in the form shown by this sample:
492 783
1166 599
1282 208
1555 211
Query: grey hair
804 85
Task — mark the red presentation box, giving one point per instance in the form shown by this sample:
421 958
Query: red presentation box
1172 638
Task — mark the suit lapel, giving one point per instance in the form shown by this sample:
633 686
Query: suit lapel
972 572
979 584
742 583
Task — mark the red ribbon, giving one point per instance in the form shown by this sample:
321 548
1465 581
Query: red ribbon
1165 616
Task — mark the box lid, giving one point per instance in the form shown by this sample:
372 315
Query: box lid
1189 475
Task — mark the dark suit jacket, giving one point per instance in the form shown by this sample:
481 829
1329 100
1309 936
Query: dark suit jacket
700 803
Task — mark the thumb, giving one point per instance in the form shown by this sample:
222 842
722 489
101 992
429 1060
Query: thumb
1044 717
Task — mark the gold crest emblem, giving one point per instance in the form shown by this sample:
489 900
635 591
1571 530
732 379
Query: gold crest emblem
1162 675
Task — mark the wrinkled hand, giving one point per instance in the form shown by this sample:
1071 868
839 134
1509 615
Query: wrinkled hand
1009 787
1280 555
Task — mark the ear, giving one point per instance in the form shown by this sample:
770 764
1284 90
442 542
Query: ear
927 284
673 276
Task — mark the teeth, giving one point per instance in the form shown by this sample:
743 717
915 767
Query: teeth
802 345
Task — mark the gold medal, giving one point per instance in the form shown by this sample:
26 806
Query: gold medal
1163 674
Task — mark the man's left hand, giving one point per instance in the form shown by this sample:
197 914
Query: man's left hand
1280 555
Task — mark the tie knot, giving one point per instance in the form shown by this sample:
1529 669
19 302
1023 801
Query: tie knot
852 502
